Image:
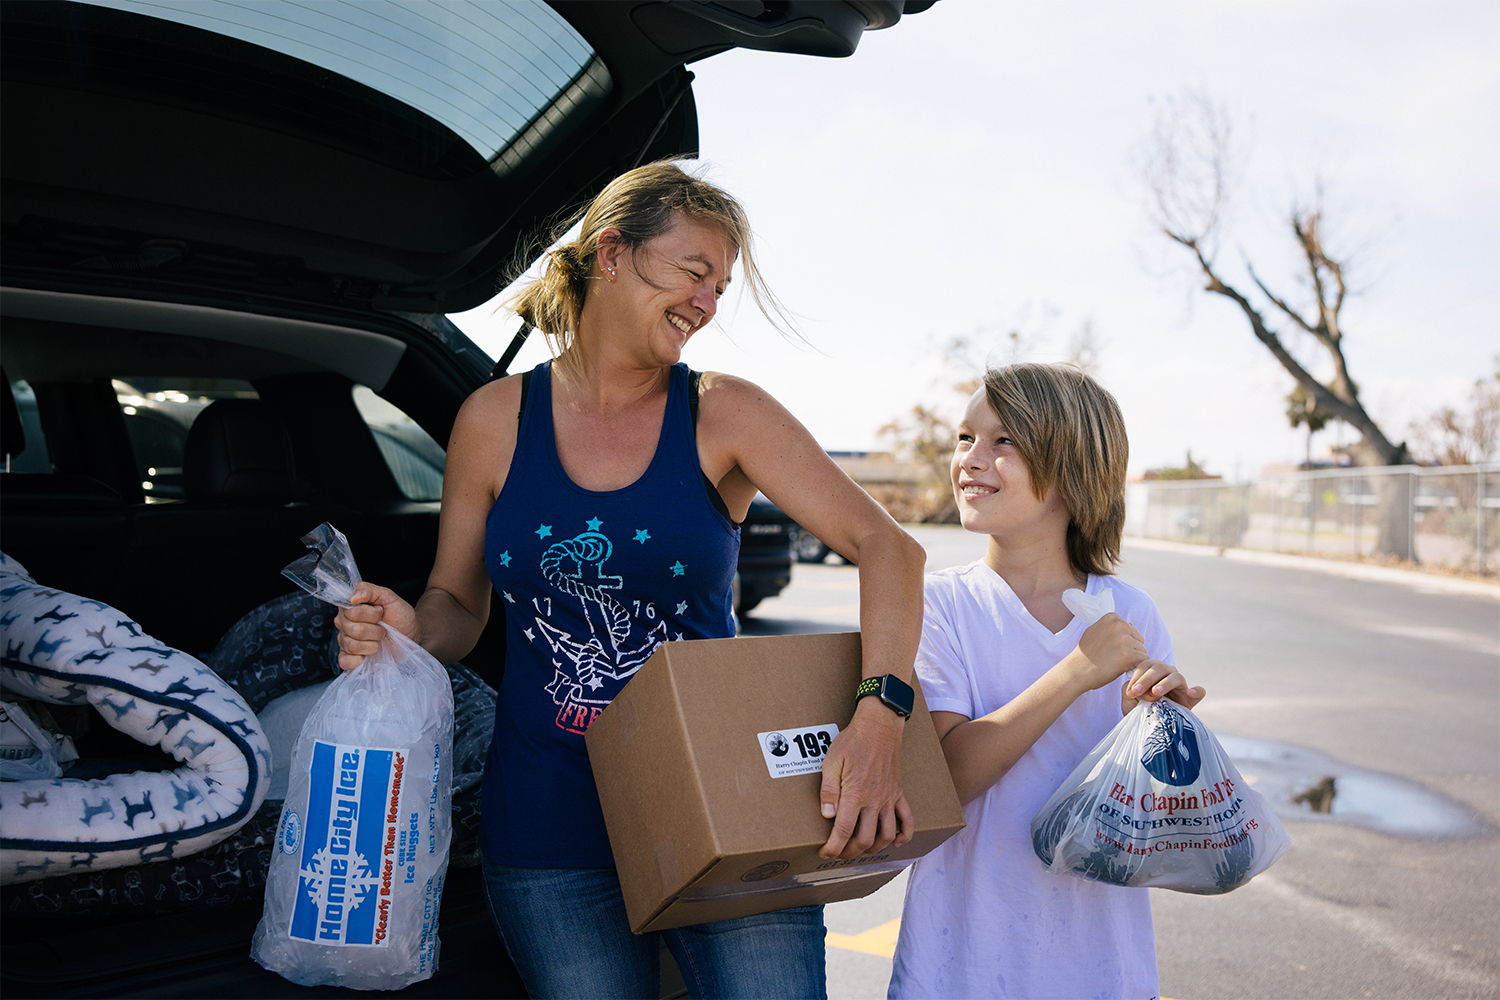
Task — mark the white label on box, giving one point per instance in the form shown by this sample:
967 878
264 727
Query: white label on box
798 750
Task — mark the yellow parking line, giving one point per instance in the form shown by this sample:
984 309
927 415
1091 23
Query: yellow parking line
875 941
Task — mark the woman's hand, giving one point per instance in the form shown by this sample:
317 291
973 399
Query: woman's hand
362 626
861 790
1154 680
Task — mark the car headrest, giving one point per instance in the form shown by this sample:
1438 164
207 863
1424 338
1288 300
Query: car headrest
238 451
12 435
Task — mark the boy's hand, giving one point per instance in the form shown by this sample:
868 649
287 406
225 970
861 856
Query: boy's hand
1107 649
1154 680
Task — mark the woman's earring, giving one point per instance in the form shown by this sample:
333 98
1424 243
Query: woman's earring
611 272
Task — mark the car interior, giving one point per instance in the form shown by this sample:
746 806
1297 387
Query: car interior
231 235
259 468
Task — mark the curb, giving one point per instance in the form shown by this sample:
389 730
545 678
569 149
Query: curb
1428 582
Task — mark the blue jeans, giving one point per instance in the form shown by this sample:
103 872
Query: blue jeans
567 933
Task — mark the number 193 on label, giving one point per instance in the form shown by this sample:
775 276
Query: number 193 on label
796 749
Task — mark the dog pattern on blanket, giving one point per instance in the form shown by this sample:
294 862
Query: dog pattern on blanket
68 650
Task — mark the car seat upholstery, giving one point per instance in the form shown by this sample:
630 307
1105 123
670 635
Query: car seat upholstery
211 558
239 452
71 526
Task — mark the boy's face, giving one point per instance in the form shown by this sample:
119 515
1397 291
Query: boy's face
992 485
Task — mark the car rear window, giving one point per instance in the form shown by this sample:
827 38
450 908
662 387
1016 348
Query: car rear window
33 456
415 459
485 70
158 414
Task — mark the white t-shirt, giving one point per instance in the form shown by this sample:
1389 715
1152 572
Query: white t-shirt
983 918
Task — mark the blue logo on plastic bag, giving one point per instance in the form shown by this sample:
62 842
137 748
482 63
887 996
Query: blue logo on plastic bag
351 791
291 832
1170 749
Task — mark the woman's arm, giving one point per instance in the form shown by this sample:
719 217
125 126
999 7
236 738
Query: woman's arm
748 441
981 751
452 612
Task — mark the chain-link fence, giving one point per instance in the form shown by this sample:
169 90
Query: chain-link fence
1446 516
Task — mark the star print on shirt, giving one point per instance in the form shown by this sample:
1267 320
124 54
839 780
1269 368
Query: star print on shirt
677 568
507 596
642 535
544 531
681 607
593 523
530 634
505 559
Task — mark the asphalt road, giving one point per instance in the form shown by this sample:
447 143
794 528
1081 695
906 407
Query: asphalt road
1390 687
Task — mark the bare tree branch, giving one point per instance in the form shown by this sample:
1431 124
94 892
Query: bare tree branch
1187 177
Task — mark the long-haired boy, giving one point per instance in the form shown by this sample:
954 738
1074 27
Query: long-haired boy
1020 692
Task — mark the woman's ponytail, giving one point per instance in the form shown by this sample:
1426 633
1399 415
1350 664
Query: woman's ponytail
554 302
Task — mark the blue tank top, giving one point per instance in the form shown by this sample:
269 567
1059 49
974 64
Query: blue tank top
591 583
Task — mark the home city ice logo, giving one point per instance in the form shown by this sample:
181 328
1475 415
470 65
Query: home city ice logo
339 880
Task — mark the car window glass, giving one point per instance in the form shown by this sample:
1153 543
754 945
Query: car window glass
158 414
34 457
415 459
485 70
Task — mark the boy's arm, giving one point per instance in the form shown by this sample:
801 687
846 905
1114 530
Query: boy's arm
981 751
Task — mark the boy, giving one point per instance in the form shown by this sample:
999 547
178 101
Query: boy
1020 692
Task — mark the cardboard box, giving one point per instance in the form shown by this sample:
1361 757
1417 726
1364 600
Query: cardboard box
684 759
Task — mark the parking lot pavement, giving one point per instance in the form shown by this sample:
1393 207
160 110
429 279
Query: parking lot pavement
861 941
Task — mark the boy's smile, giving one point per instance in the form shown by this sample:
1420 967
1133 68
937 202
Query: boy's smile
992 485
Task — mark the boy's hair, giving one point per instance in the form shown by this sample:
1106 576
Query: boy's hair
1070 432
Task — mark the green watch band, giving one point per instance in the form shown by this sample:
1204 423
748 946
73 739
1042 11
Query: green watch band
890 689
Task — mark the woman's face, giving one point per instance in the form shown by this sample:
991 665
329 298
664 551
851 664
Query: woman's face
670 288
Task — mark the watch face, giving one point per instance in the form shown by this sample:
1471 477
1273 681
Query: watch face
895 693
898 694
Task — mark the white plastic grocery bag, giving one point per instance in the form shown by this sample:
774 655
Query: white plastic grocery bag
1157 803
362 847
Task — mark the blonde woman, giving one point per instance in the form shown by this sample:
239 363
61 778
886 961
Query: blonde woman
599 496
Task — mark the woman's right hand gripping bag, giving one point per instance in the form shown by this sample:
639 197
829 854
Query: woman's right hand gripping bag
361 852
1157 803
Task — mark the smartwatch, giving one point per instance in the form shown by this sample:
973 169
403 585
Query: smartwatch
892 690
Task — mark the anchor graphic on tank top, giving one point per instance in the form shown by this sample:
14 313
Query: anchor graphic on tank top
614 649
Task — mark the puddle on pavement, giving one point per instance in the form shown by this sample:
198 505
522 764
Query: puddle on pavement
1293 779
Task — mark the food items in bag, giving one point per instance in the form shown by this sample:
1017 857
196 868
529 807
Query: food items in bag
356 879
1157 803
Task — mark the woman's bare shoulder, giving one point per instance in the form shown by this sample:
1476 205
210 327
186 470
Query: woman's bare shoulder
489 416
723 392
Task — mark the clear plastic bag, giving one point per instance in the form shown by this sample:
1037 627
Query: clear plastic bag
1157 803
29 752
354 885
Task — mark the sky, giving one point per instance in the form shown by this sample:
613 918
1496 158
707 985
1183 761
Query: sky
974 170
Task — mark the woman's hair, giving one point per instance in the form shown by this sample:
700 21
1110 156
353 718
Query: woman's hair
642 204
1070 432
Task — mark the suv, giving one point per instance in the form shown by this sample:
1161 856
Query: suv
765 554
231 234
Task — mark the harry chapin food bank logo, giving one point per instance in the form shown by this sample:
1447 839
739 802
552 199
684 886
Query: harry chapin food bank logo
347 867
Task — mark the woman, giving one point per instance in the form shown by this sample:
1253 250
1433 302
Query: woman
602 508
